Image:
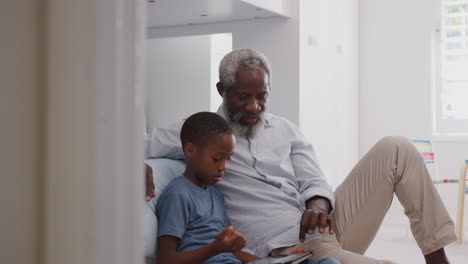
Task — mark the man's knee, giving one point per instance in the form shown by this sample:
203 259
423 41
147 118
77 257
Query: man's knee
395 140
398 143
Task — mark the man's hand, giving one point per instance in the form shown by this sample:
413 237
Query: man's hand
149 183
229 241
316 215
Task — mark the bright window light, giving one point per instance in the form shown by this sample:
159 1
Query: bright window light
451 97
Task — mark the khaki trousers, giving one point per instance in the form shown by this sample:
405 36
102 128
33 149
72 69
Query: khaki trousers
392 166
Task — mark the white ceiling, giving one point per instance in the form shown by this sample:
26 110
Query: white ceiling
165 13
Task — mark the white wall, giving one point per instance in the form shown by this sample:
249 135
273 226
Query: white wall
277 38
313 86
221 44
329 83
396 39
395 69
178 78
21 137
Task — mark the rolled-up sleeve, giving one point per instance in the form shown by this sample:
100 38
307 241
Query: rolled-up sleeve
310 178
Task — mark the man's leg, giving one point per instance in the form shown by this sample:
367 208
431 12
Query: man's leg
328 246
393 165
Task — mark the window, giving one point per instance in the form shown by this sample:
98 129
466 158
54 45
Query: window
451 100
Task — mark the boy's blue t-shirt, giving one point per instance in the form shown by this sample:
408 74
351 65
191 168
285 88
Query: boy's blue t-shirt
194 215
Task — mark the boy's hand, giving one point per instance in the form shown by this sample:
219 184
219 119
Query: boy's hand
229 241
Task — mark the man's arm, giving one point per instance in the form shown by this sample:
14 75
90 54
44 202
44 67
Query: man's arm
313 187
310 177
227 241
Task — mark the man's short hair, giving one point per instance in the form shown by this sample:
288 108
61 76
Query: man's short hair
248 58
202 126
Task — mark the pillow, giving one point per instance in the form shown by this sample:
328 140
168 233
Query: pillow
164 170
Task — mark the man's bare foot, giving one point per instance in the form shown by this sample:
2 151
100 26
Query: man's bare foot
437 257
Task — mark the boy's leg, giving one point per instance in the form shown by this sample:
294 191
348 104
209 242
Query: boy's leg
393 165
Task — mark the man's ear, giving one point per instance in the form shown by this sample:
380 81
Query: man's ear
220 88
190 149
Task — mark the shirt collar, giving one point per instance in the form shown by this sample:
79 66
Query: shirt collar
268 122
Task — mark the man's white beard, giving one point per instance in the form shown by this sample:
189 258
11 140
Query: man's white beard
243 130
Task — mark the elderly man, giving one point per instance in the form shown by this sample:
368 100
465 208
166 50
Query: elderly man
276 195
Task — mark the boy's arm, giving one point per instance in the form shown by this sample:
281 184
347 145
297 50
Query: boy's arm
226 241
167 252
245 257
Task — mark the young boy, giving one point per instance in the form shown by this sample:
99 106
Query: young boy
193 227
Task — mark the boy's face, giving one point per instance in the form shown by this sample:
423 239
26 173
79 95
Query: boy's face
208 162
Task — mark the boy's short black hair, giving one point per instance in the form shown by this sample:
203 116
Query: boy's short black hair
199 127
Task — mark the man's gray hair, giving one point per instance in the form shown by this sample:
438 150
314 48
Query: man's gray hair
248 58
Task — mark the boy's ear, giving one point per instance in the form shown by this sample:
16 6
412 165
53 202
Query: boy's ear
190 149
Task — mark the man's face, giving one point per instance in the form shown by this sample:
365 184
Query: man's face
246 101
